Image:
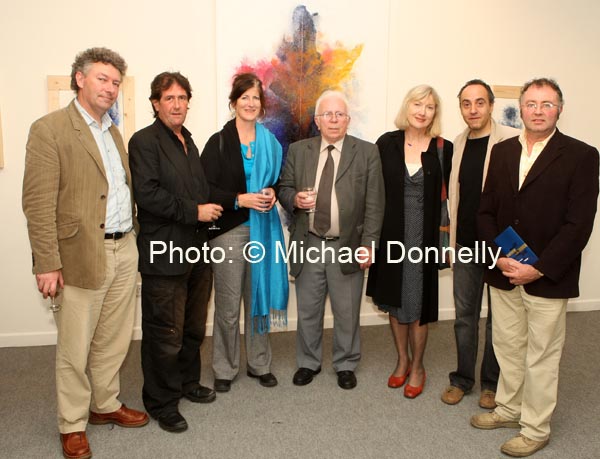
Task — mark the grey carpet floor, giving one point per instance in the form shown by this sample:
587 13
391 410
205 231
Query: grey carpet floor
316 421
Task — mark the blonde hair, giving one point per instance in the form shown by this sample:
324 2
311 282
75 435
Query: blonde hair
418 93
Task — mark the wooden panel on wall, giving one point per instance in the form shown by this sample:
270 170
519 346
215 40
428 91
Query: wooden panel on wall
506 92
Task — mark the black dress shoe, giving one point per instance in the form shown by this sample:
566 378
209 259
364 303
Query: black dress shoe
304 376
346 379
267 380
222 385
172 422
201 394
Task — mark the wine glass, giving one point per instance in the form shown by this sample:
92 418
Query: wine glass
213 226
54 304
311 196
268 194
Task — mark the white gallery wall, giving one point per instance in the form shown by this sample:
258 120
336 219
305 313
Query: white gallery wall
438 42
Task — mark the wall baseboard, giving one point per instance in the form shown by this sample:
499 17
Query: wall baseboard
366 319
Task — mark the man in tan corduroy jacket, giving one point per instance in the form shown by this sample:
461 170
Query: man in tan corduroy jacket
79 207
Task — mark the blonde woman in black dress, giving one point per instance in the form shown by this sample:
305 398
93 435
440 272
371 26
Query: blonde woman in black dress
408 291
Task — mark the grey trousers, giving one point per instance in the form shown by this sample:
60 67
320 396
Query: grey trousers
232 280
313 284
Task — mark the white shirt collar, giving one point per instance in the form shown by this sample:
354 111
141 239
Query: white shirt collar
338 145
106 121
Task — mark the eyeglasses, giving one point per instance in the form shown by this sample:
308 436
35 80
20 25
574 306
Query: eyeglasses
330 115
544 106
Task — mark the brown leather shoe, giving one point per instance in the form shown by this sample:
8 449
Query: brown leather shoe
75 445
124 417
487 399
452 395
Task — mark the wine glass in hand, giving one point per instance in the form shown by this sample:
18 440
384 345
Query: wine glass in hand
311 195
213 225
268 195
54 305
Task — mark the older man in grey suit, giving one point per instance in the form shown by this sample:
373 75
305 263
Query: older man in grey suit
334 244
78 203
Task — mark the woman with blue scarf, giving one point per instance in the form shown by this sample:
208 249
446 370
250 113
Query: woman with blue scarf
239 161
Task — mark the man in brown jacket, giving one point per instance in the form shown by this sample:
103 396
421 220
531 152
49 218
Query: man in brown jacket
545 185
78 202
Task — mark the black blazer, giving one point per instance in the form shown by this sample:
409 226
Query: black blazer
224 169
385 279
168 185
553 211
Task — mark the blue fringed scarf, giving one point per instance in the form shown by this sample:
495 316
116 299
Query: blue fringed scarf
269 276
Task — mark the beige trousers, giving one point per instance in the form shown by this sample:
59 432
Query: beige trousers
94 332
528 334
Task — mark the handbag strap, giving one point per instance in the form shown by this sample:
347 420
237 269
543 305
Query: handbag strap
440 153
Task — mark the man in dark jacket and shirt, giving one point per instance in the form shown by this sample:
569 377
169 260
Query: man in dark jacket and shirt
172 196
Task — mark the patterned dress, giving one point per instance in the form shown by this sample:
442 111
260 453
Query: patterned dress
412 273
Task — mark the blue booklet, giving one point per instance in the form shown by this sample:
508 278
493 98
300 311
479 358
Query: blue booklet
514 247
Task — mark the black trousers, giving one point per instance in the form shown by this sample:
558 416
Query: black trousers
174 310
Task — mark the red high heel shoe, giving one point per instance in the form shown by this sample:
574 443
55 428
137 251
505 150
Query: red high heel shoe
398 381
414 391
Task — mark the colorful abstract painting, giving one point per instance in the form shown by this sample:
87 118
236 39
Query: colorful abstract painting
301 51
296 76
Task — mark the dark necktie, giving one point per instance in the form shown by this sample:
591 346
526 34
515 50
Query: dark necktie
322 221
